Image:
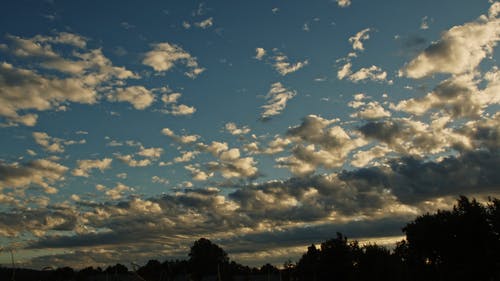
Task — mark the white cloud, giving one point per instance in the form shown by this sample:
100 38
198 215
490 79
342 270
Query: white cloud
344 3
197 174
186 25
277 145
317 143
277 98
157 179
51 144
85 74
205 23
186 156
260 53
180 139
373 73
344 71
363 158
233 129
83 167
370 111
457 96
459 50
170 98
117 192
424 24
40 172
357 40
232 165
138 96
130 161
173 108
164 56
182 109
152 152
284 67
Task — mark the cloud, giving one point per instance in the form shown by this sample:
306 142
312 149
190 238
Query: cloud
317 143
344 3
205 23
277 98
82 75
458 96
260 53
51 144
23 89
152 152
373 73
369 111
165 56
157 179
138 96
424 24
186 156
459 50
233 129
170 98
357 40
130 161
197 174
117 192
363 158
173 108
344 71
280 61
41 172
83 167
182 109
180 139
230 163
410 137
284 67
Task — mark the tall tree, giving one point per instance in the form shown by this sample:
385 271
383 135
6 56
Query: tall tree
206 258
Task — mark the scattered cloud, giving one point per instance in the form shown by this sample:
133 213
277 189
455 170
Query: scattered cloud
284 67
165 56
424 23
84 74
180 139
357 40
372 73
52 144
138 96
182 109
41 172
260 53
233 129
277 98
83 167
205 23
344 3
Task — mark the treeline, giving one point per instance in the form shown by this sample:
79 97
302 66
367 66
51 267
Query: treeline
458 244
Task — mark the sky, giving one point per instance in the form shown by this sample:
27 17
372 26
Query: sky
130 129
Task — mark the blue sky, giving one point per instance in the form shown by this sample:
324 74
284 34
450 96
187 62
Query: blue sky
129 130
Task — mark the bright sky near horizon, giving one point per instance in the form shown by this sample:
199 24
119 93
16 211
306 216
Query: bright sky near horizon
130 129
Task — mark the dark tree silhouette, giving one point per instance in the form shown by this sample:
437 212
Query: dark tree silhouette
206 258
454 245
